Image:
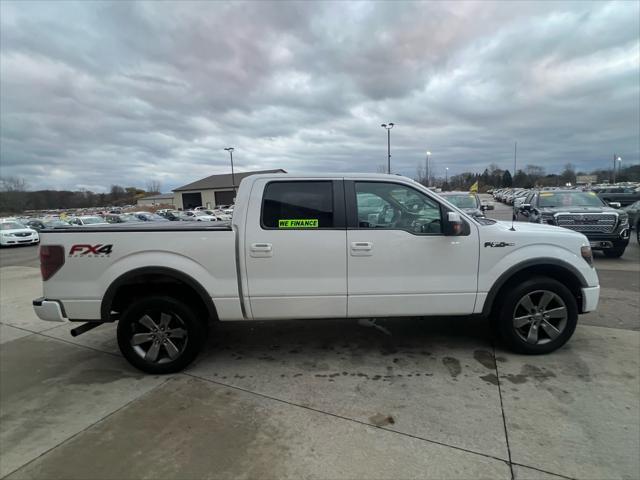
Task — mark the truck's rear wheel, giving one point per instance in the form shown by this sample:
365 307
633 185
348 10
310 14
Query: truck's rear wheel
160 334
538 316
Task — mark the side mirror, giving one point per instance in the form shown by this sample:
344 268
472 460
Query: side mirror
615 204
454 225
484 207
525 207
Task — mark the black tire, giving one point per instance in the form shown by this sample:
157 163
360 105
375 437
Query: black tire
616 252
177 340
510 305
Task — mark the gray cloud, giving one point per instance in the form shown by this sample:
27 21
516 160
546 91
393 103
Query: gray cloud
98 93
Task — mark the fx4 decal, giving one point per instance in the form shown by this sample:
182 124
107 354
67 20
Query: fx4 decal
98 250
498 244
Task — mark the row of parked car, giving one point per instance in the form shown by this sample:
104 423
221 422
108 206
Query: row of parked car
607 225
24 230
615 195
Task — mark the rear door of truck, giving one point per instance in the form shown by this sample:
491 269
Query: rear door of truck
295 249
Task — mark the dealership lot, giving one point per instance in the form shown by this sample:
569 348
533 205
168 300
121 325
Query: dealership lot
405 398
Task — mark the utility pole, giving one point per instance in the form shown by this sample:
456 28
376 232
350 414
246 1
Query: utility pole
388 128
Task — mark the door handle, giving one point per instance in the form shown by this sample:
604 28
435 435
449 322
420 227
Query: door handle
361 245
261 250
261 247
362 249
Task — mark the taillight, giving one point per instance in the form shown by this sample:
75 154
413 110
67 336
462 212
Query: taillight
51 259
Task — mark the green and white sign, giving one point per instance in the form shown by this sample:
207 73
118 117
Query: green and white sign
298 223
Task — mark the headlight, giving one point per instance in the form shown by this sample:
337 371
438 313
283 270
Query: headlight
547 219
624 220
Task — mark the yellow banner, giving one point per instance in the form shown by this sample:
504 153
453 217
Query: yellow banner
474 188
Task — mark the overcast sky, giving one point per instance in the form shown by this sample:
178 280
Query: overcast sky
94 94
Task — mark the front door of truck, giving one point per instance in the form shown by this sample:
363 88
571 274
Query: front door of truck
399 260
295 239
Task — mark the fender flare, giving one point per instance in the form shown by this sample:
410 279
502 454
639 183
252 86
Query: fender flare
519 267
107 299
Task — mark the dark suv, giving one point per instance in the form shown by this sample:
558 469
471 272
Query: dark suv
606 228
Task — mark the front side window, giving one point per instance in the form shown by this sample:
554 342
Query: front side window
396 207
298 205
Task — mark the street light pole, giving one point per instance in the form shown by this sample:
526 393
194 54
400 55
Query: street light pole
233 178
428 168
388 128
619 164
616 158
446 176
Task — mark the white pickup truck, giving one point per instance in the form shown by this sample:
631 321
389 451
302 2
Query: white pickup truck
322 246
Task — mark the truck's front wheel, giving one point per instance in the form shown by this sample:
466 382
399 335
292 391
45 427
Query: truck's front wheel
538 316
160 334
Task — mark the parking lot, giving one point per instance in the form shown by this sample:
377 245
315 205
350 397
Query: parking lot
400 398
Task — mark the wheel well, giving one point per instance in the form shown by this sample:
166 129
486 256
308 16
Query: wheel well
131 287
557 272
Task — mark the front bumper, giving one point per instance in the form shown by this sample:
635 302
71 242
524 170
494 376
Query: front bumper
590 297
602 241
19 240
49 310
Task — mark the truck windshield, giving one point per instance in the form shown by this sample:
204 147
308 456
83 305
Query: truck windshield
463 200
570 199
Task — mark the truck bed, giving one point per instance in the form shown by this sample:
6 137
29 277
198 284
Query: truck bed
94 257
145 227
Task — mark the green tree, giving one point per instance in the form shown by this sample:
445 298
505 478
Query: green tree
507 181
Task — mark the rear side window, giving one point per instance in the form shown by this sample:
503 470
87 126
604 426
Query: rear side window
298 205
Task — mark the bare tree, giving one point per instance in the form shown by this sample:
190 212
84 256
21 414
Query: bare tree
535 171
12 184
153 186
14 194
421 174
381 169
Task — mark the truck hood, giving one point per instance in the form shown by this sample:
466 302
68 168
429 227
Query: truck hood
525 235
526 229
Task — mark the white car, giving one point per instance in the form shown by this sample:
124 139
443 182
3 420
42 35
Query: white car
222 215
85 220
15 233
519 199
200 216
